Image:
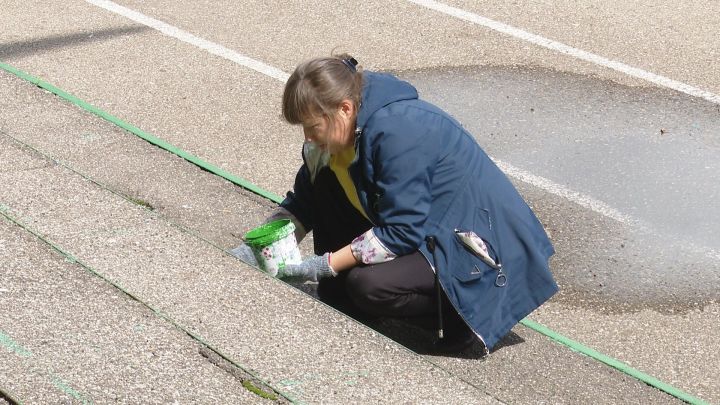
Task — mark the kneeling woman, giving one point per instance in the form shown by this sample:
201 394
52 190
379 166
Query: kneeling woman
410 217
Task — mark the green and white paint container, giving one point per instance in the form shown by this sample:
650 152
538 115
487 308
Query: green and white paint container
274 245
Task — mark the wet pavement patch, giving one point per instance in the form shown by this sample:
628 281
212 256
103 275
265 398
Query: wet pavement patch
648 155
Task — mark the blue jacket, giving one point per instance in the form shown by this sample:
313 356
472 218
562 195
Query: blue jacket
418 173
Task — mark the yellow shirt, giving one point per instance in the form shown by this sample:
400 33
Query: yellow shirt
339 164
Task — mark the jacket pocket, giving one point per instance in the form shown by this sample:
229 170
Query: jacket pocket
478 257
473 261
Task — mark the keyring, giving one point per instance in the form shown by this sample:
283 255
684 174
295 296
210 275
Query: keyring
501 280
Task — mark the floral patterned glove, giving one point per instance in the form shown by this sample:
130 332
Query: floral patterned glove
313 268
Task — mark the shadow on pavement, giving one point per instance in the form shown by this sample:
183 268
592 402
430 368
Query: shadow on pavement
21 49
415 338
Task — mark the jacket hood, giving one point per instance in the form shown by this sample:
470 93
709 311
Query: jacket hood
379 90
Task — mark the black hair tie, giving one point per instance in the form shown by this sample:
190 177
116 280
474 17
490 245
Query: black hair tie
351 63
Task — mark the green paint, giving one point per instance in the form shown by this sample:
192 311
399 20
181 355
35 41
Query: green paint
64 387
91 137
12 345
274 245
120 231
289 383
353 376
59 383
142 134
269 233
296 390
578 347
258 391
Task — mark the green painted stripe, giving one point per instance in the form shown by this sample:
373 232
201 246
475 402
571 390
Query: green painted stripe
58 383
617 364
12 345
66 388
142 134
273 197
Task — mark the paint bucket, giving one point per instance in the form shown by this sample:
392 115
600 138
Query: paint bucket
274 245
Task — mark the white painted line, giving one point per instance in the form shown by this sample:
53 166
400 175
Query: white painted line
596 206
212 47
568 50
562 191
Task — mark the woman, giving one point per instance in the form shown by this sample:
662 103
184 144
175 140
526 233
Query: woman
410 217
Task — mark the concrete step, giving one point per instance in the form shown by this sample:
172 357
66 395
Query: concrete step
298 345
69 336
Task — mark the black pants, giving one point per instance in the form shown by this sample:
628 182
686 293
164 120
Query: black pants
403 287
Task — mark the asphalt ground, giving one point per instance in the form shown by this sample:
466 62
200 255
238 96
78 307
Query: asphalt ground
228 115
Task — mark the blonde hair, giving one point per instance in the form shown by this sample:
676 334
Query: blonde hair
318 86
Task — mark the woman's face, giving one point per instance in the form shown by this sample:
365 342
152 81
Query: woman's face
331 135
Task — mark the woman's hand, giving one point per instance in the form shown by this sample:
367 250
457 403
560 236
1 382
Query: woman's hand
313 268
